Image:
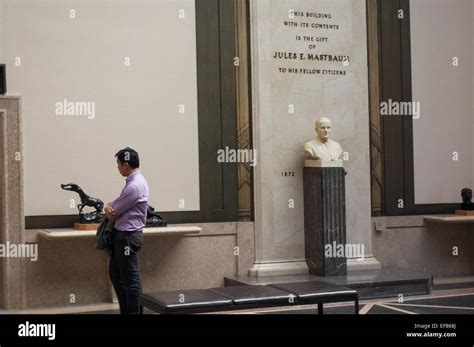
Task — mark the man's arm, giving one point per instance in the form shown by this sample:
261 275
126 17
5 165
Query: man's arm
125 201
109 212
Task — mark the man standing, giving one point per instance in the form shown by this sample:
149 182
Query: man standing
129 212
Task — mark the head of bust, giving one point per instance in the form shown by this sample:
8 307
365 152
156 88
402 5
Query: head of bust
466 194
323 128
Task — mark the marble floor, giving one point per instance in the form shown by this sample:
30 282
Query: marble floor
452 301
441 301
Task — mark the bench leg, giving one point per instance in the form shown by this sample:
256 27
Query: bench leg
356 305
141 309
320 309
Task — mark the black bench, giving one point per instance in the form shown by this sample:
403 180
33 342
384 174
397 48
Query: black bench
247 297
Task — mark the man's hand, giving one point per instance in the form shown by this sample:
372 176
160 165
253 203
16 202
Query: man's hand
110 213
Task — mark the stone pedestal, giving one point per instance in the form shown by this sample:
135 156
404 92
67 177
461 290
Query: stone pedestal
324 219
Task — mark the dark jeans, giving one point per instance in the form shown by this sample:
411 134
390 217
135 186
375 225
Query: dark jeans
124 271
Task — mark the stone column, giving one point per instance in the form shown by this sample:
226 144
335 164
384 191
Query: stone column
12 215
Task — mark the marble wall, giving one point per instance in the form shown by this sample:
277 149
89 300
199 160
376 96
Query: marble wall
2 116
11 198
286 105
74 267
410 243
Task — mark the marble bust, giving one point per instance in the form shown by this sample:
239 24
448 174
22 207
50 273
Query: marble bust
322 148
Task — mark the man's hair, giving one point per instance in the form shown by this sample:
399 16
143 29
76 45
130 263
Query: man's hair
130 156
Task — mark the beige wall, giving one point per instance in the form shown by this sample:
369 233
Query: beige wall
1 32
82 59
441 30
